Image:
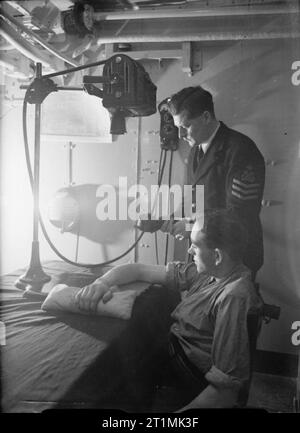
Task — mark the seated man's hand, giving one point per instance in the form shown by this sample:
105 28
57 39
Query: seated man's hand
89 296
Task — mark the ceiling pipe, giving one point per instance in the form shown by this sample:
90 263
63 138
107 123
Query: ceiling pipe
23 46
37 39
10 70
205 37
7 65
197 12
6 47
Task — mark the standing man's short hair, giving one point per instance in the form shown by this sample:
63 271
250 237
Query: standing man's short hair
194 100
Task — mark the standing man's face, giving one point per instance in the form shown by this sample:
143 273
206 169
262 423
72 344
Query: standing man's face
194 131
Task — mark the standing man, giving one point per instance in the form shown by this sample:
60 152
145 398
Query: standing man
226 162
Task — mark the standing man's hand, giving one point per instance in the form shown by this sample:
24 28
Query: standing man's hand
179 229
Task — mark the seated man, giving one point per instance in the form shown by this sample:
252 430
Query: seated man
206 347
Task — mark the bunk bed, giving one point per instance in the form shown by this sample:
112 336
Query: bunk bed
58 359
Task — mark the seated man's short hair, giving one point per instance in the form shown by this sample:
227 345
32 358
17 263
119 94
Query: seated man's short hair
224 230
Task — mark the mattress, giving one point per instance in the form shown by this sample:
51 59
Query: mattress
57 360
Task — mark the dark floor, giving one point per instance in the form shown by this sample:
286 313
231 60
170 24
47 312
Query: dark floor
270 392
273 393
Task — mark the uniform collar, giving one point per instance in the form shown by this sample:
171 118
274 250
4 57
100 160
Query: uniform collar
212 155
205 145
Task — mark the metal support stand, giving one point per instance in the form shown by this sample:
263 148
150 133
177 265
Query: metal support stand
33 280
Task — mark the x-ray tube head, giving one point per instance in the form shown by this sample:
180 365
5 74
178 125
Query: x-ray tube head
127 91
118 121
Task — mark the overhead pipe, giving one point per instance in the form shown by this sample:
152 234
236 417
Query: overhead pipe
205 37
7 65
10 69
6 47
37 39
21 44
182 12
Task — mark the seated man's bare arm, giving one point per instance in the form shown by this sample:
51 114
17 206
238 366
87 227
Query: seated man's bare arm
103 287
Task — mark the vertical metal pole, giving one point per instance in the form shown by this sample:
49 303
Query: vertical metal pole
36 173
34 278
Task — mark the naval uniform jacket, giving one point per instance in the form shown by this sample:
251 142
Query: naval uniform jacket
233 174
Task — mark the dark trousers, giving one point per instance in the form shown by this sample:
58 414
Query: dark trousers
150 358
131 372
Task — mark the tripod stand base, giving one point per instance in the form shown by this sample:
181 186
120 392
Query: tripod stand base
30 292
33 280
32 287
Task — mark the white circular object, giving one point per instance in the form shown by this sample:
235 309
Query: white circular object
63 211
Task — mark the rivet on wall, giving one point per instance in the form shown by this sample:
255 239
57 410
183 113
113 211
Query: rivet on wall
271 162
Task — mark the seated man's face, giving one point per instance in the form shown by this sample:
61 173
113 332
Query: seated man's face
204 257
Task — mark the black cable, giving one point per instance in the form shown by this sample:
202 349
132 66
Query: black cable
155 233
161 172
161 166
169 183
52 246
77 241
156 248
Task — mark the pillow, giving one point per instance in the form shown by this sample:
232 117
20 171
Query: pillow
62 297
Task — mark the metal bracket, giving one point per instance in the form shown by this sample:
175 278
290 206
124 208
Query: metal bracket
268 202
190 60
70 149
187 58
